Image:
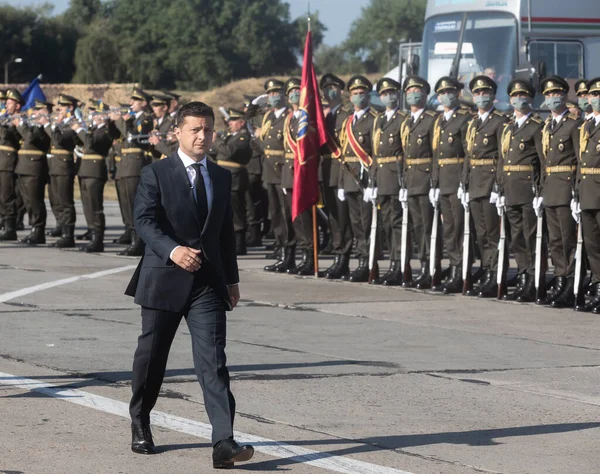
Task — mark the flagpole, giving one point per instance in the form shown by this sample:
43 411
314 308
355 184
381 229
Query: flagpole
315 240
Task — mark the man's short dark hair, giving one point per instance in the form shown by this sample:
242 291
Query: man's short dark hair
194 109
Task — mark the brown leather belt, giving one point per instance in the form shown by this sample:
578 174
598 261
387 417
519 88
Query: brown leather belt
230 164
518 168
561 169
418 161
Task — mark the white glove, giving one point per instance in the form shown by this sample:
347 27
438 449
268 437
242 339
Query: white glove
465 200
434 196
500 205
367 194
341 195
538 205
403 195
284 191
494 198
575 210
373 193
260 100
460 193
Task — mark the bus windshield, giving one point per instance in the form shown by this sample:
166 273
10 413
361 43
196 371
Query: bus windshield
489 47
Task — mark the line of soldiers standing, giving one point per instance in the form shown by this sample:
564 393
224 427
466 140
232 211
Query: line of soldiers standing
54 144
437 166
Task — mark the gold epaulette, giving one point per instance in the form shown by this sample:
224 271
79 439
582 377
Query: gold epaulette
536 119
499 114
431 113
463 111
373 113
573 116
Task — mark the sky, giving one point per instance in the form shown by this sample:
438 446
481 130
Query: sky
337 15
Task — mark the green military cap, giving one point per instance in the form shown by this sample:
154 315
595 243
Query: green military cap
416 81
359 82
173 95
479 83
594 85
235 114
292 83
272 85
15 95
554 83
92 104
248 100
160 100
64 99
447 82
386 84
331 79
40 104
139 94
581 86
102 107
518 86
2 95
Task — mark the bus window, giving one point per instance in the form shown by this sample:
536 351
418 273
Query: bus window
562 58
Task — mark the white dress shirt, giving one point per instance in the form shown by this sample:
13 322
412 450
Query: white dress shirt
448 115
389 113
483 117
415 115
358 114
597 119
558 118
280 111
521 121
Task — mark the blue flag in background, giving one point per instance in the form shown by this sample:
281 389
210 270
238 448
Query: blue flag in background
32 93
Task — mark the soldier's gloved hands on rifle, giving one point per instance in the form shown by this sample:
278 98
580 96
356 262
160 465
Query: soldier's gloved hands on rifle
370 195
576 210
538 205
434 196
284 191
494 197
464 200
341 195
500 205
403 196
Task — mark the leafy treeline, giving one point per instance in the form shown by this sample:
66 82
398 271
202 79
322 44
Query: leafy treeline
191 44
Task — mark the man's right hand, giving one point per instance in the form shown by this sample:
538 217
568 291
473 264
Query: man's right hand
187 258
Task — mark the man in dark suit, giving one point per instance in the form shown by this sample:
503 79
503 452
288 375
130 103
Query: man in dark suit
189 268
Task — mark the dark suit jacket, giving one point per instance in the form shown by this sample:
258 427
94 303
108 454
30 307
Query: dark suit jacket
165 216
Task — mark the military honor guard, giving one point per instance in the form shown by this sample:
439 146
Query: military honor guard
162 138
583 102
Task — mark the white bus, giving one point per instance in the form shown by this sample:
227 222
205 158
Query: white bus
506 39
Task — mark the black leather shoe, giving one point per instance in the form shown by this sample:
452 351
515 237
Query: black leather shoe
141 440
56 232
227 452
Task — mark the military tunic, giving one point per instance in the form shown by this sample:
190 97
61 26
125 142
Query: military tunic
163 148
560 141
9 146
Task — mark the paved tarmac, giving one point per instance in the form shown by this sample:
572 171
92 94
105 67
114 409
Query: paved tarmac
328 376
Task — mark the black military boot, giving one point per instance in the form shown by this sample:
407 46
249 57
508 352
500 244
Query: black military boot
87 235
309 265
288 262
277 254
274 266
454 283
136 249
381 279
124 238
423 274
482 281
303 260
56 232
67 239
360 273
528 293
557 289
254 238
521 280
10 230
96 243
20 225
240 243
566 298
2 223
446 276
331 268
489 288
341 271
36 237
394 276
594 302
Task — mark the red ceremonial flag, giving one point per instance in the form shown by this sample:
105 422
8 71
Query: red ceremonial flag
312 135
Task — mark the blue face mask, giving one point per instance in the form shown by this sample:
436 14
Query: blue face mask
274 100
294 97
555 103
483 101
583 103
595 103
390 100
333 94
359 100
414 98
447 99
520 104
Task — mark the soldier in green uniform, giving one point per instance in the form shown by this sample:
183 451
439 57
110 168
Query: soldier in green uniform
357 152
519 174
173 104
560 143
386 173
449 148
272 145
92 172
32 172
484 136
9 146
587 210
163 139
135 154
331 154
234 152
583 102
61 168
417 139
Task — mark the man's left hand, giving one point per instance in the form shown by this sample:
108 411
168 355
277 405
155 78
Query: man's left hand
234 295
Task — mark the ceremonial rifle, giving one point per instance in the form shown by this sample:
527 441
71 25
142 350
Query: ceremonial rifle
404 254
540 267
433 243
502 267
466 263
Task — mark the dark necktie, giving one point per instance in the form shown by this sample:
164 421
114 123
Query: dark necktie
200 194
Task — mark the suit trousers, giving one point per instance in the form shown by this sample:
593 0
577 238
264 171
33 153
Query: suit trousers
590 219
420 211
390 210
453 214
92 200
360 222
32 190
562 239
487 227
523 225
60 190
8 195
339 221
127 188
206 320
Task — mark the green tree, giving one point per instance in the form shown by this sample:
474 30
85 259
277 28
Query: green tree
375 35
97 57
